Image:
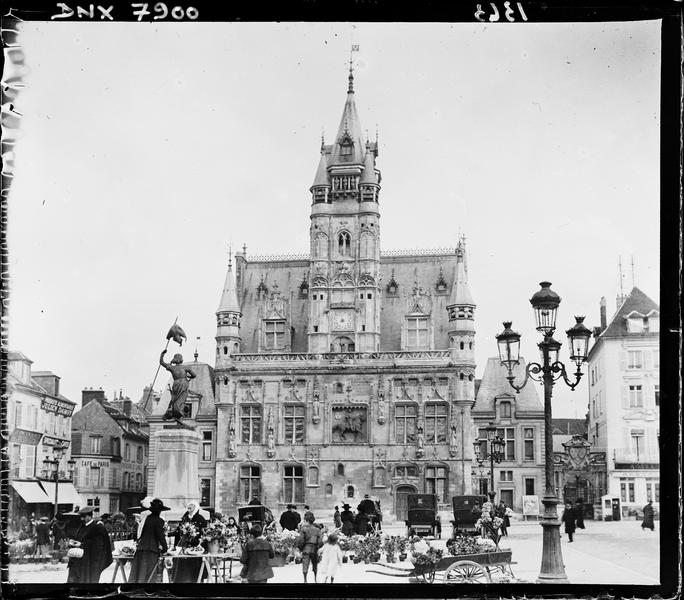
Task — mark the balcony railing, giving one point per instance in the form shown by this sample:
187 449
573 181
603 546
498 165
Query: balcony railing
346 357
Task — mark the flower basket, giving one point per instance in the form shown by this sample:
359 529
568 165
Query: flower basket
188 535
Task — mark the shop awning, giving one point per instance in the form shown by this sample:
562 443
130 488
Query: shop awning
66 493
30 491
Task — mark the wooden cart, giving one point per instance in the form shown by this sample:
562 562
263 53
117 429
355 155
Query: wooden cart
464 568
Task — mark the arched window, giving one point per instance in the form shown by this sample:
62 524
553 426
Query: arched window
344 243
339 388
328 490
367 245
462 346
340 469
342 344
225 349
350 491
321 246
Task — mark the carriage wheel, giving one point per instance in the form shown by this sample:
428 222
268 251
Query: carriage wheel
466 571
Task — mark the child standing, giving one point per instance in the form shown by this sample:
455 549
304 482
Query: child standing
330 559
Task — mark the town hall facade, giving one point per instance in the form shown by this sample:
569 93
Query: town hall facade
343 372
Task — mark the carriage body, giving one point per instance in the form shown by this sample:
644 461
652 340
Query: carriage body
251 515
464 516
422 513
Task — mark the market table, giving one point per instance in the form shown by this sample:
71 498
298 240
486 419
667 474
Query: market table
214 564
120 561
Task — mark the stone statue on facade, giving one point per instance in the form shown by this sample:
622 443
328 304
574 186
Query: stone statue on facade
316 416
453 442
270 443
420 443
179 390
232 450
381 406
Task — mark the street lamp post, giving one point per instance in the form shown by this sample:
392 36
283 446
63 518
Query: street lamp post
495 450
51 469
545 305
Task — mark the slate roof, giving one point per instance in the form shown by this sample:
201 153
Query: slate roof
559 440
229 301
349 124
12 355
637 301
202 384
409 269
495 385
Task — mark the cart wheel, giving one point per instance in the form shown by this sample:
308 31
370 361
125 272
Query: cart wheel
466 571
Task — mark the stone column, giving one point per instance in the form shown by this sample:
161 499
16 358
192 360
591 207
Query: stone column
176 478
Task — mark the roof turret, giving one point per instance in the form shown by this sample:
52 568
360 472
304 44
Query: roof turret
229 300
322 172
348 145
369 175
460 292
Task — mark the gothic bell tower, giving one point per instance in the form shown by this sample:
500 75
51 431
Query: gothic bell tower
344 295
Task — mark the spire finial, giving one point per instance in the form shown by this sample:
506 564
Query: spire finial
322 140
196 353
350 89
230 256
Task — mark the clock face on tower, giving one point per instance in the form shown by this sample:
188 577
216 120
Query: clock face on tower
342 320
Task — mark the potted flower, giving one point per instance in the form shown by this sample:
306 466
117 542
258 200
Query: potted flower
346 545
216 536
425 563
283 545
488 524
390 547
374 544
402 547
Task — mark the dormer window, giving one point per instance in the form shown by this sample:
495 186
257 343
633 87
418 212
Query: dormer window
274 335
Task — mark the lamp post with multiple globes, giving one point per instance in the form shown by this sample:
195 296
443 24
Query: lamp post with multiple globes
545 304
495 452
51 468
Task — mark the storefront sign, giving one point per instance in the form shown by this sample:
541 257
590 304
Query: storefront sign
52 441
57 406
89 462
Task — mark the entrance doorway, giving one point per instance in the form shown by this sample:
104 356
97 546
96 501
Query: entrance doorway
507 497
401 502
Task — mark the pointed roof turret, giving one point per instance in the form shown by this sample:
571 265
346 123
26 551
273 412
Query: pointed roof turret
349 133
229 299
322 172
369 175
460 292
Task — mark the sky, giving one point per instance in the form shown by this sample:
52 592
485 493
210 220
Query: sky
146 150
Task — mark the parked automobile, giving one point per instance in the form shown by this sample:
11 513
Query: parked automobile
422 512
466 513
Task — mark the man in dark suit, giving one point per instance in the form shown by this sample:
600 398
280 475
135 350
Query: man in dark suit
348 520
93 539
255 556
290 519
151 545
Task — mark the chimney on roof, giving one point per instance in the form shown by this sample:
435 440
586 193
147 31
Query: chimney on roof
604 320
127 407
90 394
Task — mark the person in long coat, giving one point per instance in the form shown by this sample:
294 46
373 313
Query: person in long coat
151 545
579 513
569 519
348 520
290 519
361 523
42 537
93 539
647 523
255 556
57 529
337 518
187 569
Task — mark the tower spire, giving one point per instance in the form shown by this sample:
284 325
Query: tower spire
350 89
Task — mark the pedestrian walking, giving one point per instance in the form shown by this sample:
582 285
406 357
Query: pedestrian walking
151 544
290 519
579 513
309 542
43 538
501 512
57 530
649 513
95 548
330 559
337 518
348 520
255 557
569 519
187 570
438 527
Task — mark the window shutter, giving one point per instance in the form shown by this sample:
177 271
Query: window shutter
623 361
625 396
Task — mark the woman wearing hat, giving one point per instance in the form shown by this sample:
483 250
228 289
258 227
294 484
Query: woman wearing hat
92 538
151 545
348 521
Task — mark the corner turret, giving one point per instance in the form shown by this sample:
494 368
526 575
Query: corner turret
228 321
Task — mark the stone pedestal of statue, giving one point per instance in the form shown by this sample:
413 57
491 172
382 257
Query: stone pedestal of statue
176 478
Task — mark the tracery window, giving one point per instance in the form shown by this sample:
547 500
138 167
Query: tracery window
405 416
293 483
274 335
344 243
436 423
417 333
293 417
250 482
250 416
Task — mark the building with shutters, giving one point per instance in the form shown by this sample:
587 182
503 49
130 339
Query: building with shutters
345 371
519 419
624 399
38 418
110 446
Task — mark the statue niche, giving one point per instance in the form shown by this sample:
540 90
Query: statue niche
349 424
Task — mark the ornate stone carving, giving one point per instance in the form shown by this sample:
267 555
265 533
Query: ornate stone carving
275 304
316 404
349 424
419 302
381 404
270 436
232 449
453 441
420 443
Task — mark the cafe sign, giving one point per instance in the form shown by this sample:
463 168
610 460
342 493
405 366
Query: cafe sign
86 462
57 406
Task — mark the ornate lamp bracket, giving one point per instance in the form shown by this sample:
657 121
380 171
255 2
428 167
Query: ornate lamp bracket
532 371
558 369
